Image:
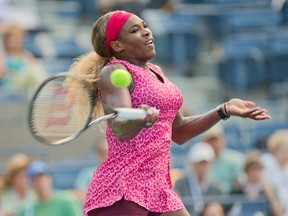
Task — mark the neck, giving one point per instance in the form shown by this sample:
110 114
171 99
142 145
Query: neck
201 179
143 64
13 51
20 190
253 181
44 196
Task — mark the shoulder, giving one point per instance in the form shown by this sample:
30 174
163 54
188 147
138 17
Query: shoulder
105 73
233 155
108 69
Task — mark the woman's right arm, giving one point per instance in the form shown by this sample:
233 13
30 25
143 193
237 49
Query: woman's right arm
113 96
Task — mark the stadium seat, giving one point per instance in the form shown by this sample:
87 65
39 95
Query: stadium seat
233 136
56 65
65 172
279 56
263 131
179 153
237 1
252 208
66 47
243 66
37 151
234 19
178 42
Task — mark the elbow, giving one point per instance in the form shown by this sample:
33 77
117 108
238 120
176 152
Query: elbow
178 140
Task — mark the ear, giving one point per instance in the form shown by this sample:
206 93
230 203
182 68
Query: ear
116 46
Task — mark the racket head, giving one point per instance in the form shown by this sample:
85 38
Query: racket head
61 109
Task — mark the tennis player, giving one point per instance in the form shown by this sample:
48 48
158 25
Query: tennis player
135 179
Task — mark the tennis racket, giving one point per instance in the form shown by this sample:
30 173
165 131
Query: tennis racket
63 107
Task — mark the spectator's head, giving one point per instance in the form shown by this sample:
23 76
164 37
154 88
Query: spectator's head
101 149
39 174
253 167
277 145
13 38
213 208
200 156
15 173
216 138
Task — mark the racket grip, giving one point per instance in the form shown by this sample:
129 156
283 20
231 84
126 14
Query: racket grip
130 113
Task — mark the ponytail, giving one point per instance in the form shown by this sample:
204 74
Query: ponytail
88 66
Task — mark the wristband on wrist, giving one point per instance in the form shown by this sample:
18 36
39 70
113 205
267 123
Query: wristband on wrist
222 111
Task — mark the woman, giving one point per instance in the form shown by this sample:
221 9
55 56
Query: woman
135 179
16 193
274 164
254 186
19 70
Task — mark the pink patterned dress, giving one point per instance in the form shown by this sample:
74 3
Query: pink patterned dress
139 169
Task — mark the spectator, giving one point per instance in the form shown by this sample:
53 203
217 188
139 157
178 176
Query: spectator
49 202
100 148
133 6
255 186
213 208
196 185
19 70
16 194
227 167
274 165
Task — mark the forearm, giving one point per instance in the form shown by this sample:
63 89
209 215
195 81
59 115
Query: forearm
185 128
189 127
125 130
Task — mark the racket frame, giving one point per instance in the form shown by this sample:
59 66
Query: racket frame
121 113
86 125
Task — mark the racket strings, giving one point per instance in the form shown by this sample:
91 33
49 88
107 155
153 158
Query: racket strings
59 110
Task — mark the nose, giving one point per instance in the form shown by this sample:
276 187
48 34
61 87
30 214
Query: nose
147 32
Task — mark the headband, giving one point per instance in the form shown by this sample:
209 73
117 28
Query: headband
115 25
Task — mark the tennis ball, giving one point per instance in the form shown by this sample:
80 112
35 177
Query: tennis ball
121 78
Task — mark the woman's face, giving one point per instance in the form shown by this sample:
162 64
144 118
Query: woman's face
136 40
19 178
14 42
254 173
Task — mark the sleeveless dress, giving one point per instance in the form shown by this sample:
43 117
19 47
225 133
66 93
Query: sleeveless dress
138 169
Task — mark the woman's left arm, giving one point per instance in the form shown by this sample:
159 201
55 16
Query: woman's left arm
185 128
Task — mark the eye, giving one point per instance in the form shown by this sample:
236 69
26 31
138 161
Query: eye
134 30
145 25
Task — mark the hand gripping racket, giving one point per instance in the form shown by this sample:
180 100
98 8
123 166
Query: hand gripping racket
63 107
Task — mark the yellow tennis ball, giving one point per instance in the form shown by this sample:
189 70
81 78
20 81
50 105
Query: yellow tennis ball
121 78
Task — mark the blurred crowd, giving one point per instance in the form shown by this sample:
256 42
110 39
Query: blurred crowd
215 180
27 187
216 172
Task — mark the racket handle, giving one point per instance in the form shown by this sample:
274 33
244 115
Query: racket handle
130 113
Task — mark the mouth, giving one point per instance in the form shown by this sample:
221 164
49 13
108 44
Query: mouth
149 42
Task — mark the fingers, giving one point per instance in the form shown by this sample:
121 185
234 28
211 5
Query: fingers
258 113
152 114
249 103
